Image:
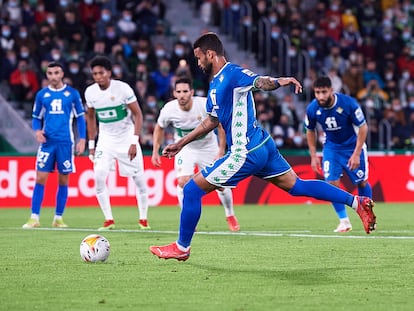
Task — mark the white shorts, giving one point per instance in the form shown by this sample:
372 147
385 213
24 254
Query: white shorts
106 156
188 159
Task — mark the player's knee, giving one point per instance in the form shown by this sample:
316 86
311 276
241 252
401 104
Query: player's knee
100 181
192 191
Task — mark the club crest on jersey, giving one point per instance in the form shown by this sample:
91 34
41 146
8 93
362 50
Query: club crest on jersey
339 110
66 93
112 98
221 78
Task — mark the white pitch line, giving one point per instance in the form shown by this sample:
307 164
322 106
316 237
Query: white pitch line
287 233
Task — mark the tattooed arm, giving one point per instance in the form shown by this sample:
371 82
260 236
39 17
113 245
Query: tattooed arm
267 83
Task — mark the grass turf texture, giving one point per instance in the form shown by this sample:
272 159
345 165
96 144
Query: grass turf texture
284 258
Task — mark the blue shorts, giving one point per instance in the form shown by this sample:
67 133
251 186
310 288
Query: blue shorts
334 163
52 154
263 161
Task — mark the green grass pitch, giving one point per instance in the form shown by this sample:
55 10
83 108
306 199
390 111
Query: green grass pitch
286 257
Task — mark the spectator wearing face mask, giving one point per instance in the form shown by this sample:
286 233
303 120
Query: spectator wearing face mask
76 75
23 83
6 39
105 20
163 80
24 37
126 25
89 14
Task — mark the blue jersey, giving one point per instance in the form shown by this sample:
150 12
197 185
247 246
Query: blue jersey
230 100
251 149
339 122
57 108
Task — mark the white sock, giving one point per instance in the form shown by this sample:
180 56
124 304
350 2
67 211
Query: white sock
355 203
182 248
35 216
142 196
57 217
180 196
226 198
105 204
344 220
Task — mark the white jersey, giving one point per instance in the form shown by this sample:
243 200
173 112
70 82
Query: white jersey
185 121
115 123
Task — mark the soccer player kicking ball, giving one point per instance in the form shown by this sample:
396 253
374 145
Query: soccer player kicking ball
185 113
114 103
252 151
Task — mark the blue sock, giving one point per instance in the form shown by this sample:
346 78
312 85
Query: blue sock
190 213
365 191
61 199
321 190
340 210
37 198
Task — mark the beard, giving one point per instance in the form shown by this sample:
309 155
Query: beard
208 69
327 103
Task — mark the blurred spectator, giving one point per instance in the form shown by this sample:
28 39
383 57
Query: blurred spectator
72 31
405 61
40 13
350 40
353 80
336 80
163 80
126 25
89 14
118 73
180 52
147 19
12 12
371 73
76 75
144 54
335 60
283 133
23 37
368 14
23 83
6 40
8 64
373 96
105 20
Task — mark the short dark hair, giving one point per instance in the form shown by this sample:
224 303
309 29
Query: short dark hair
184 80
55 64
209 41
102 61
323 81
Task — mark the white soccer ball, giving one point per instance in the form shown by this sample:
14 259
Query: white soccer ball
94 248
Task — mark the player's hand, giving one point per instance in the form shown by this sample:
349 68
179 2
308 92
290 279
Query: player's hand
132 152
40 136
171 150
80 147
290 80
91 155
353 162
156 159
316 164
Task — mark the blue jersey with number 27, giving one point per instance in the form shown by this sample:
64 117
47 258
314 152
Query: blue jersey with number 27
57 108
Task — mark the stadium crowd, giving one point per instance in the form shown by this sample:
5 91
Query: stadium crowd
366 47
